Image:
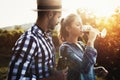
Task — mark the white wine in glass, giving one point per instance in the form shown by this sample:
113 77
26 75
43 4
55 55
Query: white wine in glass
87 28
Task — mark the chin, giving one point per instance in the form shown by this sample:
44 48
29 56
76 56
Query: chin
50 29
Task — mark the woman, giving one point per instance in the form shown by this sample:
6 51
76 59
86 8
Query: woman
80 58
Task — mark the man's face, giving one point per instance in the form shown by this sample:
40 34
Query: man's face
54 20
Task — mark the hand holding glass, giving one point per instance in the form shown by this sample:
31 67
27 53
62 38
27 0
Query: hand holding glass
87 28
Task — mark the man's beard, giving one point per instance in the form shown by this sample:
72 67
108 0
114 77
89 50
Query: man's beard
51 25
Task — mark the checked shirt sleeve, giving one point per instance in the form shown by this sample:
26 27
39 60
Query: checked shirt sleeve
23 51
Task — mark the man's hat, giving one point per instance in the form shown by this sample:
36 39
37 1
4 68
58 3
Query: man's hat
49 5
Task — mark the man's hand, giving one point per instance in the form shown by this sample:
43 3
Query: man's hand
58 75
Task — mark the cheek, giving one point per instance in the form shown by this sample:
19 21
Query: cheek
57 20
53 22
78 29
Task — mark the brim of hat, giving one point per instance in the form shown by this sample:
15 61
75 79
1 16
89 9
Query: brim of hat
48 10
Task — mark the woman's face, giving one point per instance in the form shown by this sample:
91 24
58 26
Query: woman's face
76 27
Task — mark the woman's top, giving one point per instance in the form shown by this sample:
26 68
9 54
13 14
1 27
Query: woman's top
80 60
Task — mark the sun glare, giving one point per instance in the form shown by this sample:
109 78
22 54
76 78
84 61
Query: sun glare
98 7
16 14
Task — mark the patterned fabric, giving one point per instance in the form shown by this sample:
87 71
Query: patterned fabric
33 56
80 61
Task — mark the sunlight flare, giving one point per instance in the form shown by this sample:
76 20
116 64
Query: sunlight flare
99 7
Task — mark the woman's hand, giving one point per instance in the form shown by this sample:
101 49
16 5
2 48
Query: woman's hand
92 36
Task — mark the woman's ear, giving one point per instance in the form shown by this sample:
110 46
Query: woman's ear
67 28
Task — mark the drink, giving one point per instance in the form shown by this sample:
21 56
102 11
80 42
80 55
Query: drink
87 28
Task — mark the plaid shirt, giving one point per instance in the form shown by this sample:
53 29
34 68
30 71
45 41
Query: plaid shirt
33 56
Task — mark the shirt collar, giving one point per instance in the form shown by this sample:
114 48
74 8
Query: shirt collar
40 31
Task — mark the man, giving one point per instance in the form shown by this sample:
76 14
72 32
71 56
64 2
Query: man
33 54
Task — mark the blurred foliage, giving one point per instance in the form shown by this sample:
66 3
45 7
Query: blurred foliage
7 41
8 38
108 48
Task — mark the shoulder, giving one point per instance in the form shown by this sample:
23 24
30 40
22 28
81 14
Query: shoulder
27 38
66 46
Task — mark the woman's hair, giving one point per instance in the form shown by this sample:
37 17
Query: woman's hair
66 22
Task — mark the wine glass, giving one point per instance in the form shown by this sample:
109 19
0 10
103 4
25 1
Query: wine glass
87 28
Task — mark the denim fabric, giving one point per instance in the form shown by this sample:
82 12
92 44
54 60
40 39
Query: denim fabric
80 62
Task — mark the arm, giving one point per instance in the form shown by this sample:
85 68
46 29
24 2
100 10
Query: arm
89 58
23 51
90 54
